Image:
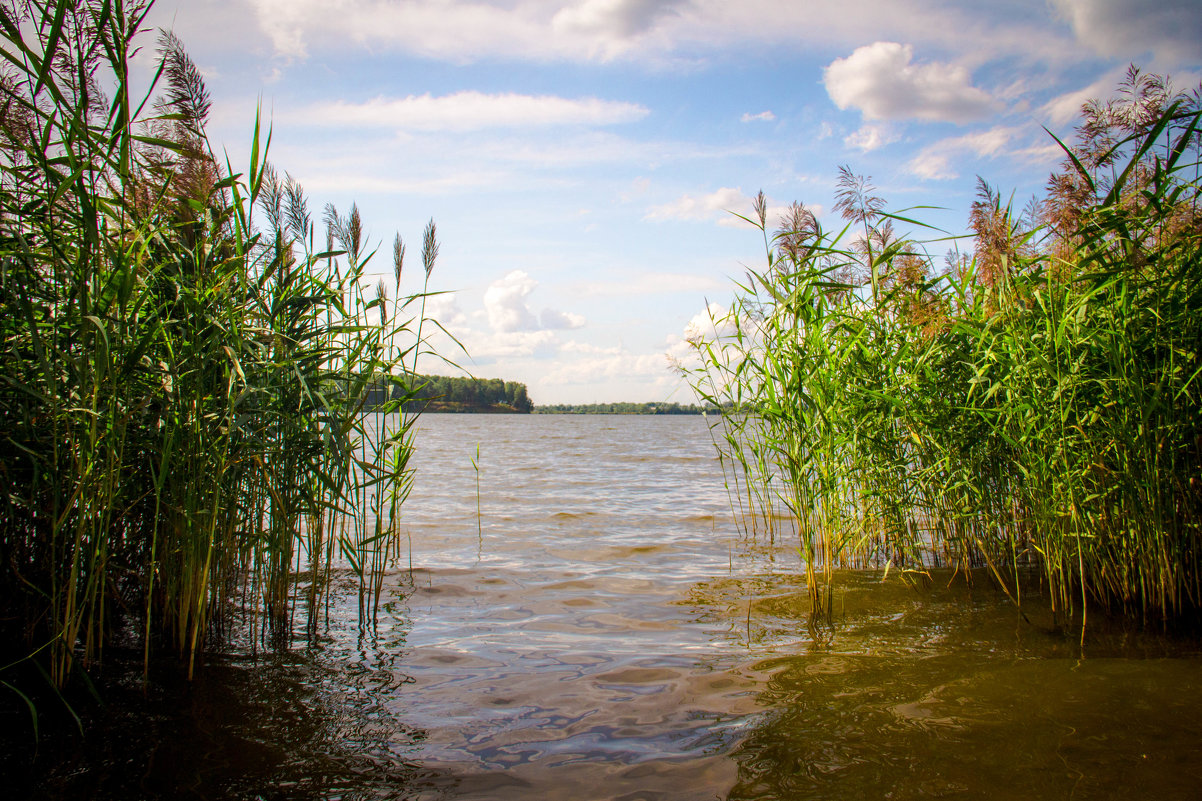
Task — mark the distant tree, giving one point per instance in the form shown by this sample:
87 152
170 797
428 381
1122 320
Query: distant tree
465 394
517 398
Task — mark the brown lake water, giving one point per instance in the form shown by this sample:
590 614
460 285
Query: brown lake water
603 631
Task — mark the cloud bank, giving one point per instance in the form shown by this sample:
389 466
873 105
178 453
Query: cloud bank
1135 28
883 83
471 111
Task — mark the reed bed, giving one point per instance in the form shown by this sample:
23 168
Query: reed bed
184 368
1036 406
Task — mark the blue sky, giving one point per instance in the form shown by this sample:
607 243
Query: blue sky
582 159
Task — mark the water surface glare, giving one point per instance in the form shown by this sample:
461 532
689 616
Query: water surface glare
602 631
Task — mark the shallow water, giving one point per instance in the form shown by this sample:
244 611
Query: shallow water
602 631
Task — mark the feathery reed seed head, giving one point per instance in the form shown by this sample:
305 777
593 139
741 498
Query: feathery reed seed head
429 247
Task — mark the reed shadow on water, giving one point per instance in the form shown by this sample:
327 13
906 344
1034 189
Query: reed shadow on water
309 724
947 691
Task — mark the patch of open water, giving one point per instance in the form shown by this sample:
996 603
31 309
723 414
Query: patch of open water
602 631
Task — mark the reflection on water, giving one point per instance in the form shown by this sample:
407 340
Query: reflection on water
949 693
602 632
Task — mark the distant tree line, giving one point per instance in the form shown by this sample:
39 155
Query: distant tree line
439 393
623 408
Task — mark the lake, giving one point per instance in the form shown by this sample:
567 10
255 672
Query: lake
592 625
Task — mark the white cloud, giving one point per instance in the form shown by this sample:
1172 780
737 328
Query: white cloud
616 19
284 22
763 116
592 373
714 322
705 207
553 320
715 326
880 80
726 206
1039 154
608 366
722 206
455 31
505 302
935 161
933 166
469 111
1066 107
515 344
984 143
660 31
636 189
445 309
508 312
1169 29
464 30
870 137
488 347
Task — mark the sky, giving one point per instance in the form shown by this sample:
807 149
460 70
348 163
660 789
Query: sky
585 161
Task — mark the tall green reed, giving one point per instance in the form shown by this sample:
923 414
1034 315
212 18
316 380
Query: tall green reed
185 372
1034 406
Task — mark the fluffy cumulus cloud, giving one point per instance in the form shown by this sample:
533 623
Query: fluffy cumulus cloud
1167 29
882 81
506 329
469 111
505 303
